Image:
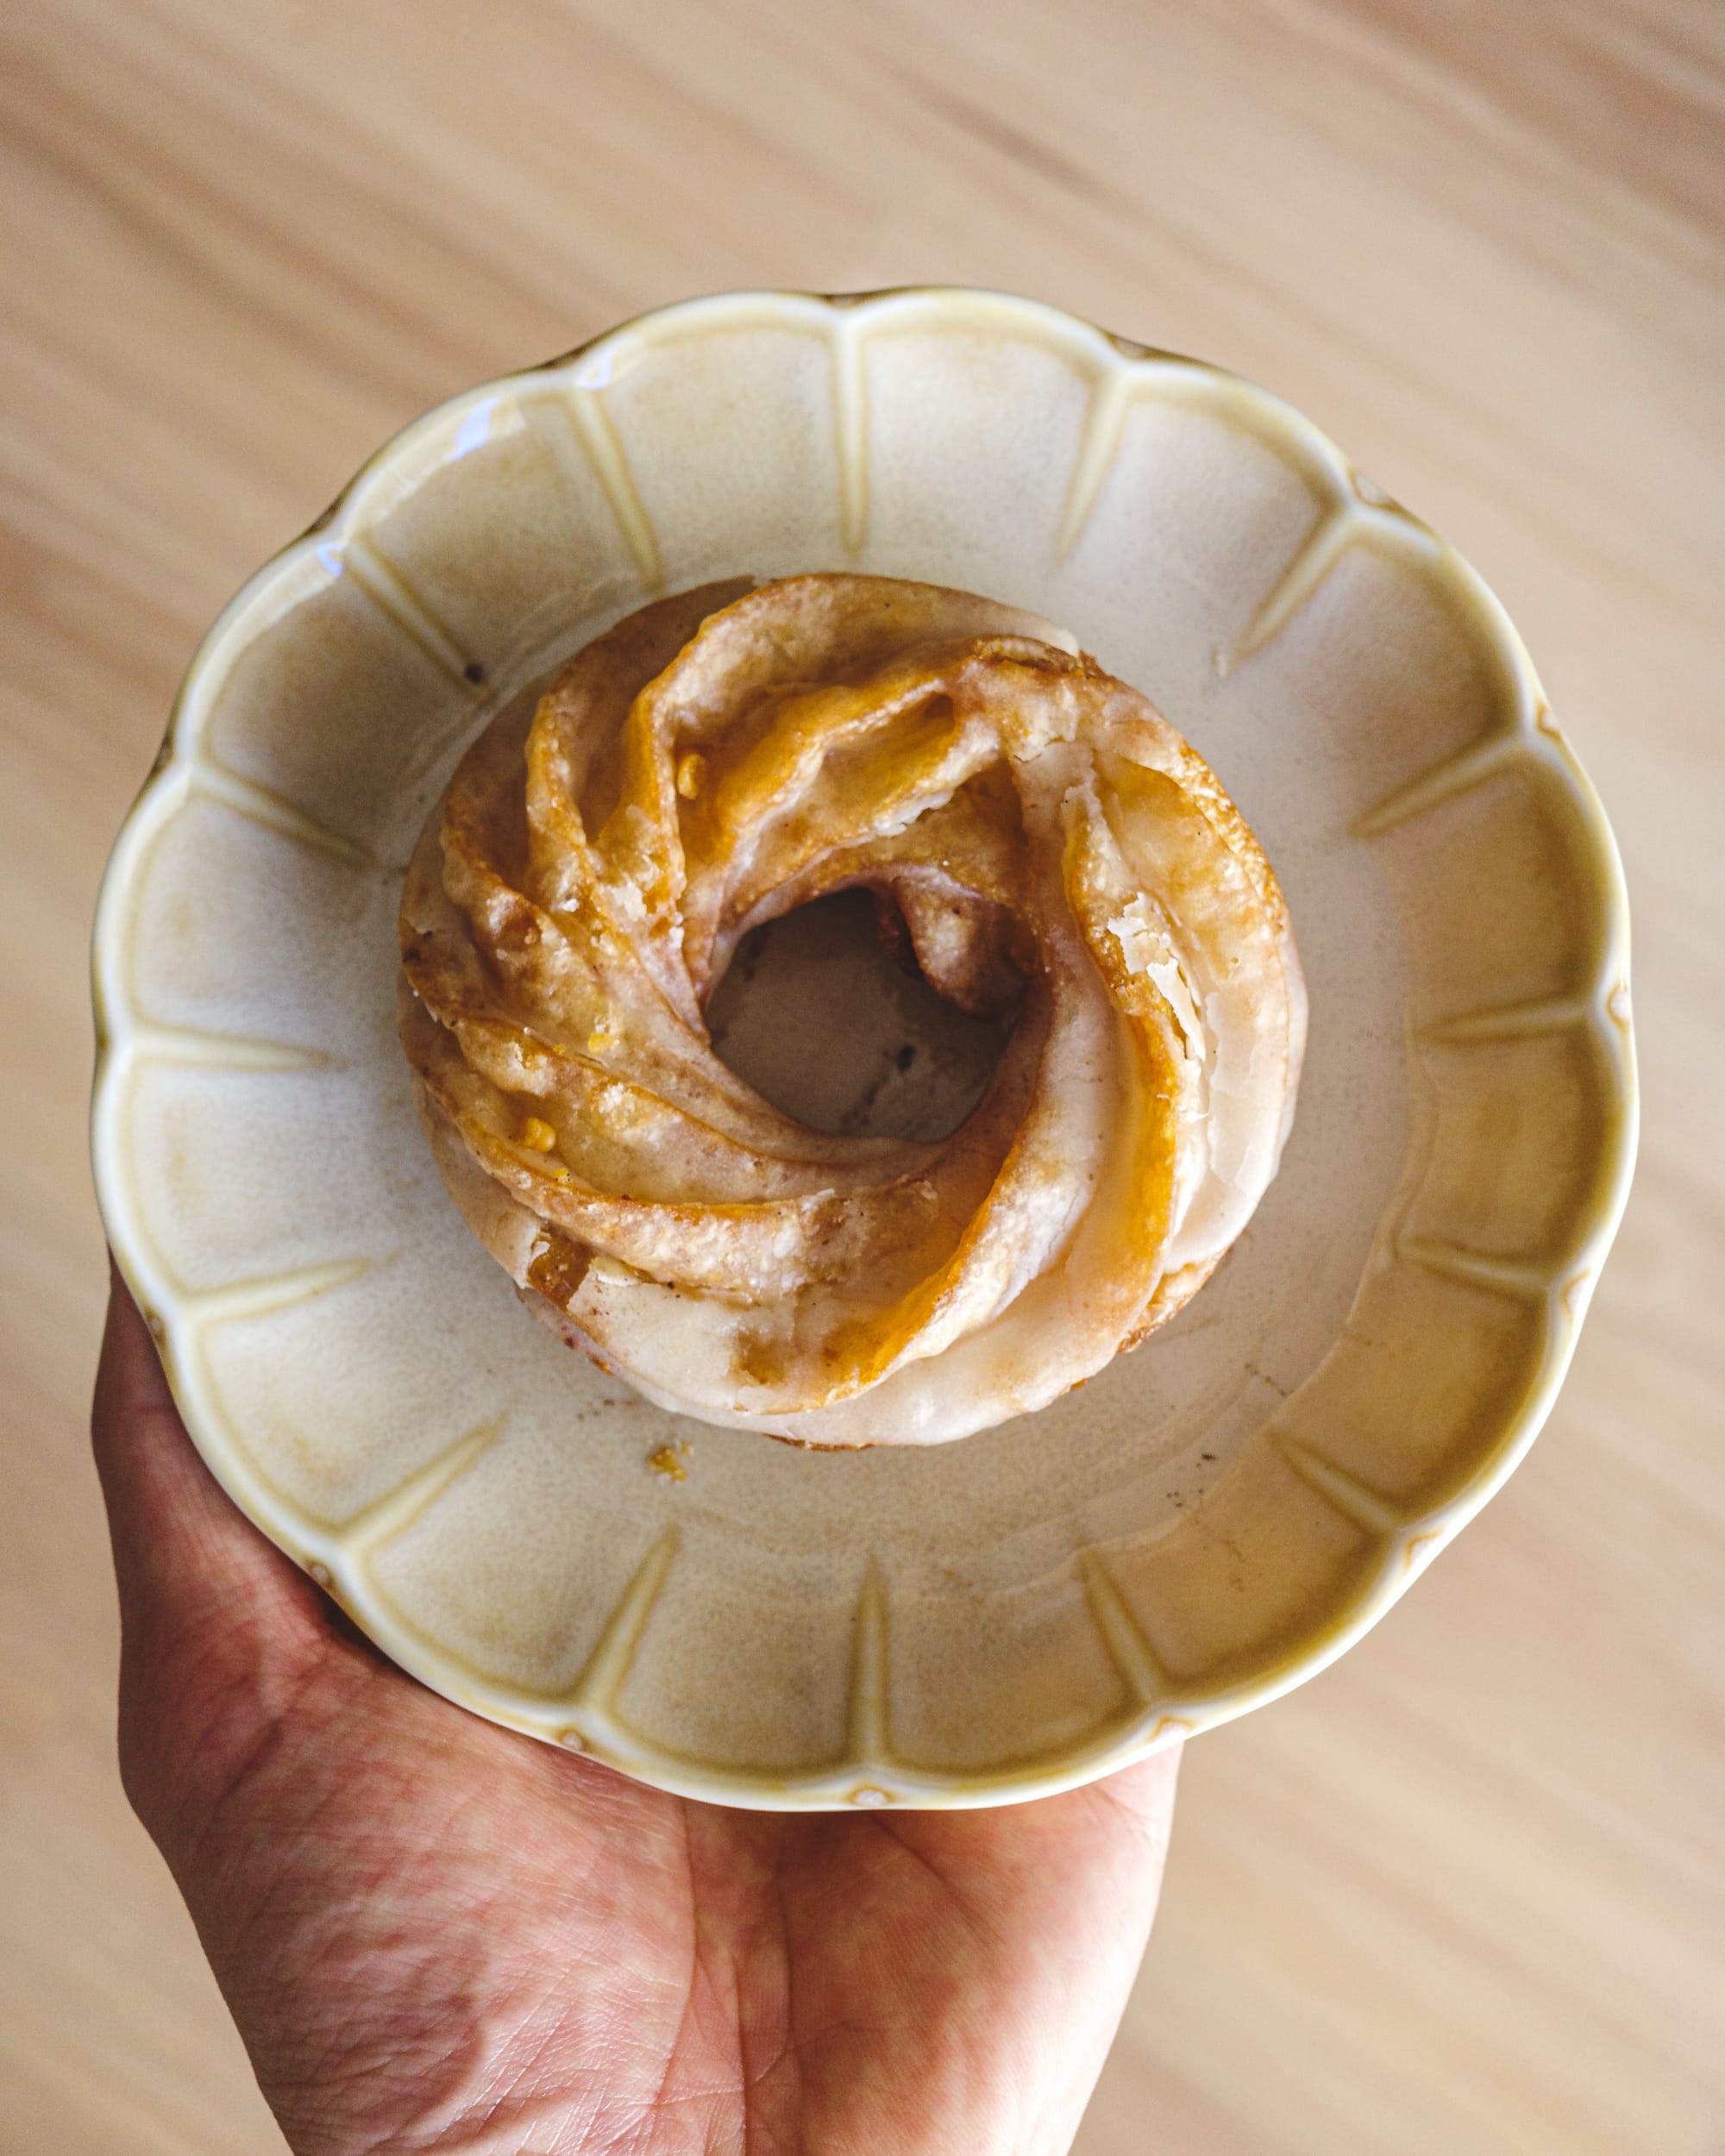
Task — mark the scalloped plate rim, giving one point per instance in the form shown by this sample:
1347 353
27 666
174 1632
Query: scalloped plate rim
1407 1550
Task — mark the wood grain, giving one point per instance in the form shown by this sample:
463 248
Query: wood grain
1463 1893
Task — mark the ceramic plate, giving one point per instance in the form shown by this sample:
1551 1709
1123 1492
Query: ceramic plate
1213 1518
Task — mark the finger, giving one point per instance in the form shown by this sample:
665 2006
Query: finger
186 1559
1141 1796
1144 1792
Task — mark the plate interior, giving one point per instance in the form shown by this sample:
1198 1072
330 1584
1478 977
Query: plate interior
1210 1517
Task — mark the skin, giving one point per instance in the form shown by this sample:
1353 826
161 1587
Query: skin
435 1934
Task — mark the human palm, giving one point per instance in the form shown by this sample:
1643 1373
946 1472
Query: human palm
437 1935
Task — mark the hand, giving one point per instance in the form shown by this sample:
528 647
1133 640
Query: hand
435 1934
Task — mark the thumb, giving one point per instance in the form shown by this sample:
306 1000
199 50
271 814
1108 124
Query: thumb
210 1611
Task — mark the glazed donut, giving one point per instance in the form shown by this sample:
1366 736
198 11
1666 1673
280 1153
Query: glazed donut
1053 851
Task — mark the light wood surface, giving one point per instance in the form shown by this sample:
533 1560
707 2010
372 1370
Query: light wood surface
1462 1895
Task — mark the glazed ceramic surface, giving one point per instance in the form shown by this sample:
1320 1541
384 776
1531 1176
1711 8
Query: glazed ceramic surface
1210 1519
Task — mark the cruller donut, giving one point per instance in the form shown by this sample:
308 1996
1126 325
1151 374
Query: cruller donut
1051 849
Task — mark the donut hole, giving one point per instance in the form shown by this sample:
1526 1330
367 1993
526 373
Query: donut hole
818 1016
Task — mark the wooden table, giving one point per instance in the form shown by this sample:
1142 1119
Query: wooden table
1461 1896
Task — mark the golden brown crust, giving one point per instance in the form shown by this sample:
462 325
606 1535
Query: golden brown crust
1033 833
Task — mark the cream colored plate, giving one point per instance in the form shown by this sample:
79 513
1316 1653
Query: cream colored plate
1210 1520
